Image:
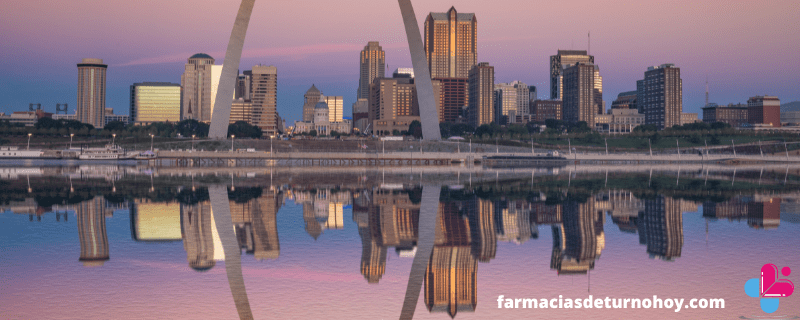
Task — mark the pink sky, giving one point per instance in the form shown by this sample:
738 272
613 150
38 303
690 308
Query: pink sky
745 48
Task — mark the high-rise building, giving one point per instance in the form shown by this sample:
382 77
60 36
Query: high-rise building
764 111
92 231
265 99
663 96
155 102
451 43
560 61
481 94
243 82
546 109
532 94
598 91
625 100
732 114
92 92
310 100
216 74
196 84
241 110
640 95
361 115
335 107
579 104
403 73
373 66
393 104
454 97
512 99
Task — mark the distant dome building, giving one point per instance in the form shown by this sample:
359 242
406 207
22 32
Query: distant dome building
319 118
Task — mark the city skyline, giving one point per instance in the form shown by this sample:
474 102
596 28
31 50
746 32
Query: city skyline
700 42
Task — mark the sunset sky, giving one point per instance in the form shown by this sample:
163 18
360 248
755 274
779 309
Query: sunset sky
744 48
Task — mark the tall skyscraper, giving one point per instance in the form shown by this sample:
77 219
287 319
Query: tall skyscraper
196 83
310 100
155 102
579 103
598 91
663 96
243 82
373 66
481 94
265 98
335 107
451 43
92 92
764 110
560 61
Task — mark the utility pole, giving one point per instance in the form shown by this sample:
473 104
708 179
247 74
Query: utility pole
679 148
734 147
651 148
606 140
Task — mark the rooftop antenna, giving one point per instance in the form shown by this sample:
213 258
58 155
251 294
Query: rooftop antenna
706 90
589 50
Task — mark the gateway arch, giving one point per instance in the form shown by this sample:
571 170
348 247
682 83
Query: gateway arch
428 104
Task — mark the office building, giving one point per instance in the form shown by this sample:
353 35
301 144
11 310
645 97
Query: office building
663 96
532 94
732 114
373 66
578 95
454 97
512 99
403 73
481 95
92 92
619 121
687 118
111 117
196 84
598 91
625 100
241 110
361 115
393 104
264 96
764 111
335 107
542 110
558 63
243 82
451 43
640 95
155 102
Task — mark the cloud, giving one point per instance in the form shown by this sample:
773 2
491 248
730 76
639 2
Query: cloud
293 52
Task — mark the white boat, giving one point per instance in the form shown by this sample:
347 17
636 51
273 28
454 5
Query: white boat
109 152
15 153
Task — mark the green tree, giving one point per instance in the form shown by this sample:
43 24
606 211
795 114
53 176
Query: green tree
115 126
415 129
244 129
312 133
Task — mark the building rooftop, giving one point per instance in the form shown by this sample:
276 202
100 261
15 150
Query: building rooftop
201 56
321 105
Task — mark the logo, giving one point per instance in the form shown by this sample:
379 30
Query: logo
769 287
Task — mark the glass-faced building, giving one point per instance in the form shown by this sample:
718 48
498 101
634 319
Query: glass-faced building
155 102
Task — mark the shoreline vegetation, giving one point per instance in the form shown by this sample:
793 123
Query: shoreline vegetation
719 137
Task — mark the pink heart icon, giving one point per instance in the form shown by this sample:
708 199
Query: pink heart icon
771 286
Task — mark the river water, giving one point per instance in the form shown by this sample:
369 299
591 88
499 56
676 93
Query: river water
130 242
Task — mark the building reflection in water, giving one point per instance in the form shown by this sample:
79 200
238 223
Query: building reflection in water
579 240
254 221
155 221
660 226
322 209
92 231
760 211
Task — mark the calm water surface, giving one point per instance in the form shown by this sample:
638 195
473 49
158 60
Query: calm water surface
108 241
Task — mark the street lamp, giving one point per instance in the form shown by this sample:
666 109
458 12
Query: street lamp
113 138
232 137
151 142
193 143
70 139
29 140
